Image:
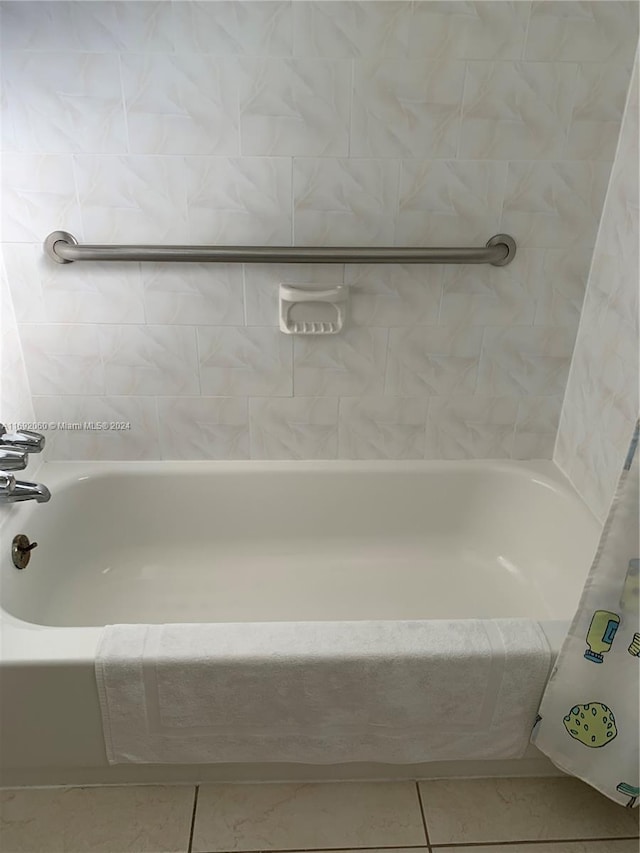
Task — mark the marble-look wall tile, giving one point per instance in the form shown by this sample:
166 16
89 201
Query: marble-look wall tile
8 139
284 123
62 359
536 427
211 294
263 28
341 202
470 427
65 102
352 29
348 364
100 26
37 26
601 401
600 406
47 292
560 287
406 108
38 196
241 362
614 289
516 110
449 203
181 104
554 204
138 441
203 427
294 428
485 29
110 25
529 360
482 309
133 199
520 278
394 295
295 107
480 295
149 360
592 31
432 360
262 281
618 235
15 394
238 200
382 427
598 105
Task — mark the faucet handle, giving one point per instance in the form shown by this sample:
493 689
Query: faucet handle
7 483
12 459
23 439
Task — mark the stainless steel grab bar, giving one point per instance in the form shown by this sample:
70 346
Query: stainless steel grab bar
63 248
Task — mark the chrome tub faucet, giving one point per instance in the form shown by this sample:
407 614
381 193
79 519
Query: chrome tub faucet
14 450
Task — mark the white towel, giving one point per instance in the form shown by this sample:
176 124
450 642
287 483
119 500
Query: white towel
320 692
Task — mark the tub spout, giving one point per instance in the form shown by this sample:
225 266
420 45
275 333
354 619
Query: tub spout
12 491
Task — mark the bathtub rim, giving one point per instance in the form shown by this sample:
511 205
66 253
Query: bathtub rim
60 473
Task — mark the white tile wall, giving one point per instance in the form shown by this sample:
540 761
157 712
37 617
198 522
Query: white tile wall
347 364
15 396
294 427
16 404
601 402
170 111
401 123
294 107
406 107
245 361
203 427
148 360
237 200
386 427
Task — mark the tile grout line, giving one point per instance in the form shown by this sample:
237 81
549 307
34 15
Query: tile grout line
470 845
193 819
417 847
422 814
466 845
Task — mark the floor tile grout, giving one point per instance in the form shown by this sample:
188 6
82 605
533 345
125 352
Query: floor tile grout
193 818
424 817
469 845
435 847
332 849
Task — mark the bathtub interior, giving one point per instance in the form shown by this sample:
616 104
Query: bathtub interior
176 542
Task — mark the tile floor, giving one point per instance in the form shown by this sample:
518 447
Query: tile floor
556 815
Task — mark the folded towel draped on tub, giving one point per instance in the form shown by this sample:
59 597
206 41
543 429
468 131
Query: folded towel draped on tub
320 692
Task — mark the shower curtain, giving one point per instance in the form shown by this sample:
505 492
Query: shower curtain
588 723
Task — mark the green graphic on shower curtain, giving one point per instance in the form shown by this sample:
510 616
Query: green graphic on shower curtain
602 630
593 724
630 791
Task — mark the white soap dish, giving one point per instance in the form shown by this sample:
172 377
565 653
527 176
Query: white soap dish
310 311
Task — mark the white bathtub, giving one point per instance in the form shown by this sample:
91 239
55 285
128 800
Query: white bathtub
264 541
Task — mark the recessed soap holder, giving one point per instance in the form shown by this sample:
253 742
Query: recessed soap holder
307 310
